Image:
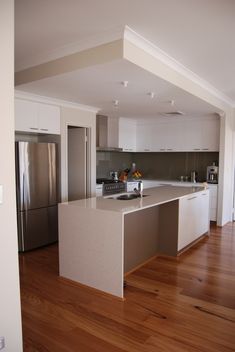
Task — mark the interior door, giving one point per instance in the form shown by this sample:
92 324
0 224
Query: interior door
77 163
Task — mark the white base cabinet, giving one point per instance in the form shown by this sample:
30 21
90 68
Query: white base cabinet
193 218
36 117
213 201
213 194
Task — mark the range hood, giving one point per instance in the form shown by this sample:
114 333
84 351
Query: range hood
104 142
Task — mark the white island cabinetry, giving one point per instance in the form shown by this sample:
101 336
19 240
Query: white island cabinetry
193 218
213 194
103 239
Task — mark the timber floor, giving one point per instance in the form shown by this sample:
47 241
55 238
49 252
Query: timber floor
171 305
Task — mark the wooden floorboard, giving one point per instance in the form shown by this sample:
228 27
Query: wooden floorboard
171 305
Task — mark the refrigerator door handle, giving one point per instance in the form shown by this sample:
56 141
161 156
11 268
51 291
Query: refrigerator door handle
23 193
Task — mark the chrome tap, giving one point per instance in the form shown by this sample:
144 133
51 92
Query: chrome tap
139 191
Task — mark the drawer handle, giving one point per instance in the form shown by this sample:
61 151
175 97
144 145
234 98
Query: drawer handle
204 194
33 128
205 149
162 149
196 149
192 198
44 129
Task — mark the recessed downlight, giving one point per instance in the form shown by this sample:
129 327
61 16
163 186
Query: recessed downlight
125 83
151 94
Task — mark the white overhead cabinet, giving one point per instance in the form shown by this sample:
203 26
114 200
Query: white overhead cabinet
182 134
144 137
201 135
127 134
36 117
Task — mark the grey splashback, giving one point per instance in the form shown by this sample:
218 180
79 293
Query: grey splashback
111 161
168 166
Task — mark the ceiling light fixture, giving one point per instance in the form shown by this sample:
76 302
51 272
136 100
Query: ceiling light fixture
151 94
115 103
172 102
125 83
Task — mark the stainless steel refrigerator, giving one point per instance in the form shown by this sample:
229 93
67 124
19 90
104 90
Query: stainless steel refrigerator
37 198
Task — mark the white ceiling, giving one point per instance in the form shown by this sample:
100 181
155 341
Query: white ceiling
101 85
197 33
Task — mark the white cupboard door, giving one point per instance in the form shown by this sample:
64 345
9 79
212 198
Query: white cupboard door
26 116
185 225
144 138
48 119
210 135
204 209
192 134
213 196
127 134
193 218
159 137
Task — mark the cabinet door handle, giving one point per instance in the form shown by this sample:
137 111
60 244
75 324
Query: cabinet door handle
204 194
44 129
192 198
33 128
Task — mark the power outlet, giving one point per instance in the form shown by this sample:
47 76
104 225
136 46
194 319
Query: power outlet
2 342
1 194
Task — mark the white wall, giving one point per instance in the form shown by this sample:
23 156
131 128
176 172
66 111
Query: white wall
226 169
10 318
80 118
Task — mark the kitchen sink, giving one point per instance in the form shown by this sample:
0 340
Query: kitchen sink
128 196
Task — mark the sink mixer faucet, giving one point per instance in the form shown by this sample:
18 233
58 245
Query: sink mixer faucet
139 191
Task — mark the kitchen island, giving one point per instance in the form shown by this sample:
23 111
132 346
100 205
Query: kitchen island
102 239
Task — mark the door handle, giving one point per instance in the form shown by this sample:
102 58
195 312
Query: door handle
192 198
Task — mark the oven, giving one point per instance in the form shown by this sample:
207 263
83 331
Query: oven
110 186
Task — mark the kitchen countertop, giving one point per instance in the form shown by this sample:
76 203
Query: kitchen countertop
154 196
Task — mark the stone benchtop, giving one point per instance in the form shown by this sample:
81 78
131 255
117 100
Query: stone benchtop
154 196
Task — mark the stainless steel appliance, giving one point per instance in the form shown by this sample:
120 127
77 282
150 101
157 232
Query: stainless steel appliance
110 186
36 187
212 174
103 139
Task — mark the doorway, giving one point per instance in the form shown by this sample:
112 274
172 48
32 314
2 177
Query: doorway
77 162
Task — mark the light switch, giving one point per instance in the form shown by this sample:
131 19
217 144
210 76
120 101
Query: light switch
1 194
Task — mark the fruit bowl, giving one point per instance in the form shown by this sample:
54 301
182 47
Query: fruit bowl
136 175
